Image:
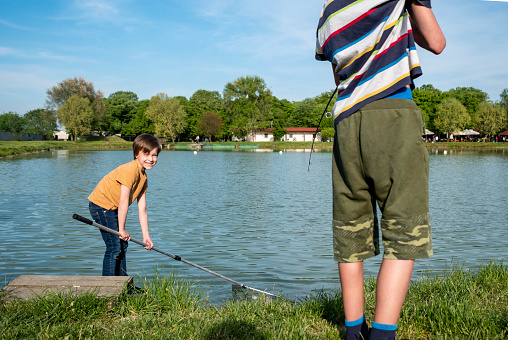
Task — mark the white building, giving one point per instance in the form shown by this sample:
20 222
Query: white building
60 135
294 134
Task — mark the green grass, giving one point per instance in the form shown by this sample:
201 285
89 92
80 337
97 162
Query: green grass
269 145
329 145
456 305
9 148
471 145
459 305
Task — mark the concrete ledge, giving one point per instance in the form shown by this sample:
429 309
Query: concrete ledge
25 287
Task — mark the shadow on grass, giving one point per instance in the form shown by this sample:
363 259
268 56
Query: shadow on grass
331 308
234 329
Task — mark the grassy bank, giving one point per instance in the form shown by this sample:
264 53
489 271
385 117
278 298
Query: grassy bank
467 145
329 145
18 148
283 145
457 305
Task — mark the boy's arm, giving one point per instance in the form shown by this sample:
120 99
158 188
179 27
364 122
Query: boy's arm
336 77
143 221
426 30
123 208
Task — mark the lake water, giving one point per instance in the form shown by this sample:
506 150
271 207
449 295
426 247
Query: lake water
259 218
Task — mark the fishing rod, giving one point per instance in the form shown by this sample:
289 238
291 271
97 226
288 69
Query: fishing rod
174 257
317 128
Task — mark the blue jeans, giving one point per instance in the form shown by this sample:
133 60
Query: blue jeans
114 263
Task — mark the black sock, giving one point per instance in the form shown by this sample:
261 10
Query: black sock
383 332
357 330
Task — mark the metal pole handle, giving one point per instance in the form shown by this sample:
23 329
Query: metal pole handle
175 257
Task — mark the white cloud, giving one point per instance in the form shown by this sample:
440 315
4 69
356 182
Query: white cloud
28 79
97 8
100 12
262 31
11 25
7 51
39 54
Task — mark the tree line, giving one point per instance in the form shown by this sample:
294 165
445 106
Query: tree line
462 108
244 106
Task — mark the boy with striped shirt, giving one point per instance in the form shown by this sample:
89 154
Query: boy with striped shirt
378 153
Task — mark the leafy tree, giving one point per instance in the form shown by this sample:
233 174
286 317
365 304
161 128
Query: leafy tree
470 98
121 107
322 100
12 122
307 113
282 110
200 103
77 115
278 132
41 121
186 133
427 98
504 103
210 124
504 99
139 123
182 100
328 133
247 102
168 116
64 90
451 115
491 118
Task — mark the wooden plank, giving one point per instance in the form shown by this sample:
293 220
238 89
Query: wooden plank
25 287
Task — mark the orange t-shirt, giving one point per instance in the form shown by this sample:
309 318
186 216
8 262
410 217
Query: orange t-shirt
107 193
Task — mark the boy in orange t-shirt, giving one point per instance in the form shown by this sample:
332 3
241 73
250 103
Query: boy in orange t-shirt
111 198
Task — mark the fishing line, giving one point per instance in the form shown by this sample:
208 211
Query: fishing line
174 257
328 115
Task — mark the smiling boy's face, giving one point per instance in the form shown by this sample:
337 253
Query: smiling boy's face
147 160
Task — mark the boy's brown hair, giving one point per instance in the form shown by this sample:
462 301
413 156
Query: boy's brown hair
146 143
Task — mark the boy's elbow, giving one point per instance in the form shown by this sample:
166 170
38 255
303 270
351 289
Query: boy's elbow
438 46
435 46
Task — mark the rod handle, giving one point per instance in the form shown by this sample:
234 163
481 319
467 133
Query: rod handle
82 219
175 257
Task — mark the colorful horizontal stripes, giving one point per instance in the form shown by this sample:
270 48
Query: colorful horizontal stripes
371 44
347 26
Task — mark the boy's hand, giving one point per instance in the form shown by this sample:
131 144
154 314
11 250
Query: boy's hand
124 235
148 241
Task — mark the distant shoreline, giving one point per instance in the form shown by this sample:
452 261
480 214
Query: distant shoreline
17 148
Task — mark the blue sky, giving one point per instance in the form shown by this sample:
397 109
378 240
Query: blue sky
180 46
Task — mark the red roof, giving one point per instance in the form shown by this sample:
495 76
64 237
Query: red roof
504 133
296 129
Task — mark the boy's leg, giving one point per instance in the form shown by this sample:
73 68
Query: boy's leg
398 166
392 284
355 230
114 262
112 256
351 281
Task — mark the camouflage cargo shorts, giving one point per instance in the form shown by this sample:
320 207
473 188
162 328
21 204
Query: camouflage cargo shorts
379 159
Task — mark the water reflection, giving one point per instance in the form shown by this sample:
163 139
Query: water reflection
259 218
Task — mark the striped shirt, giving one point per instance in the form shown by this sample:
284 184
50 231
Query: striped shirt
371 44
